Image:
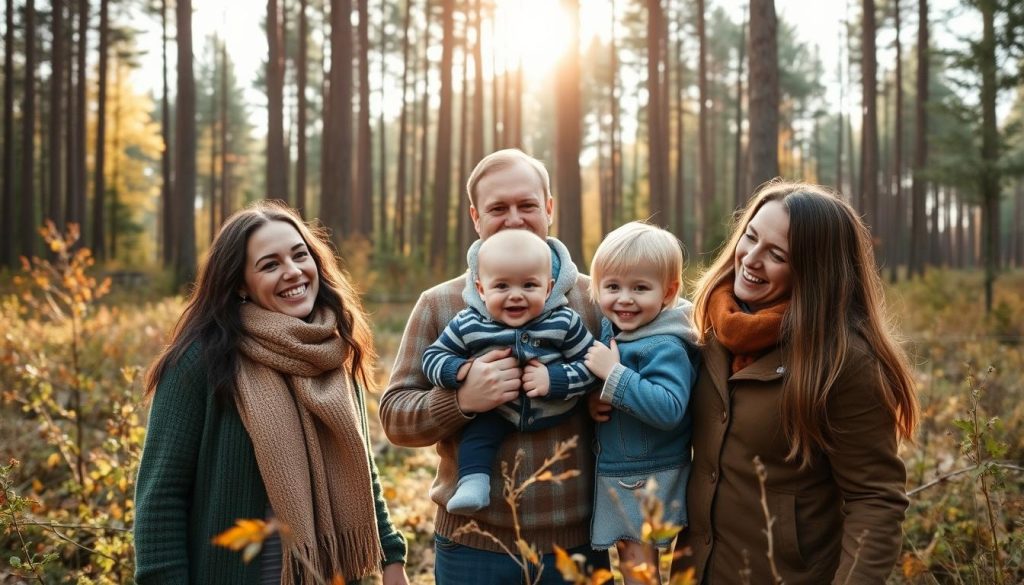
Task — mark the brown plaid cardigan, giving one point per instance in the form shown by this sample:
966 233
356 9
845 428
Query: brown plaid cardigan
414 414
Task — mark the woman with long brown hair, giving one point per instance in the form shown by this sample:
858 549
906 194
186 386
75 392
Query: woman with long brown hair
258 412
801 372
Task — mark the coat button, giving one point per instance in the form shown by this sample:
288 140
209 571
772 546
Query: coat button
525 338
714 476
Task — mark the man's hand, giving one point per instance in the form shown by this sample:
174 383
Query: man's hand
492 380
536 381
599 410
601 359
394 574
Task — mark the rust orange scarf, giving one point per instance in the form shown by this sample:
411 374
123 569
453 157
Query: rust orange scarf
747 336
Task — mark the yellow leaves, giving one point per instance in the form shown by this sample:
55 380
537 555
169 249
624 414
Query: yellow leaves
527 551
912 566
53 460
247 536
684 578
641 572
569 567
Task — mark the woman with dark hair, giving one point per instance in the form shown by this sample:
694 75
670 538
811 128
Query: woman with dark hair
802 372
258 412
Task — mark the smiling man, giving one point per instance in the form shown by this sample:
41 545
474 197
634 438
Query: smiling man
507 190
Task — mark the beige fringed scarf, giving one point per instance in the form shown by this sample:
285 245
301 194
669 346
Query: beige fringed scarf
298 404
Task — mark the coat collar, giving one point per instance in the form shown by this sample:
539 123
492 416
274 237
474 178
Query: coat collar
767 368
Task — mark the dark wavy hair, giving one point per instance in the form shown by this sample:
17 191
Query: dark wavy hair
212 316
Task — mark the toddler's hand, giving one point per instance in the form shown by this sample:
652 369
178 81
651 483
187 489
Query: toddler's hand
463 370
602 359
535 379
599 410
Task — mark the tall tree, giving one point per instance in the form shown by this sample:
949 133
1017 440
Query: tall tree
27 216
442 161
76 210
764 93
419 228
869 124
739 188
477 152
277 158
301 74
898 218
680 167
568 137
990 172
706 184
7 194
918 231
226 204
185 152
99 196
166 188
336 160
657 156
56 170
362 197
401 181
383 203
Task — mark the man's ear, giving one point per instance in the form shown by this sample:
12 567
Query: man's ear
475 216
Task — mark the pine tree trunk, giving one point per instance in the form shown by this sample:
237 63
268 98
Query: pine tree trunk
657 165
681 211
403 164
56 120
443 155
917 254
568 136
277 187
463 224
739 190
99 195
337 158
362 198
990 174
899 219
705 189
166 188
7 256
420 208
869 123
764 93
27 216
185 151
302 76
478 88
226 203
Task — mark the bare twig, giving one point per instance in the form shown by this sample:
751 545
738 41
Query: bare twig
856 555
762 477
954 474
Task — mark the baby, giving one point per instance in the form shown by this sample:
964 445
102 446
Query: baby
513 302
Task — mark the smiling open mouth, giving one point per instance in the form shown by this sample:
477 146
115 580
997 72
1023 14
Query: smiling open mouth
297 291
751 278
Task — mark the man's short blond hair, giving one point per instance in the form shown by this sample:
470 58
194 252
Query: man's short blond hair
503 159
637 244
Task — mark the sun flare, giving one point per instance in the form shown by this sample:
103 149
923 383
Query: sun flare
533 33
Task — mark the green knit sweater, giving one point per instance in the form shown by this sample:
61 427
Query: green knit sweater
197 476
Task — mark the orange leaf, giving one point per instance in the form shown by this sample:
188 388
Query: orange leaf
565 565
600 577
242 534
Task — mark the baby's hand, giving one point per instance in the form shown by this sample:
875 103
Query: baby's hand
535 379
463 370
601 359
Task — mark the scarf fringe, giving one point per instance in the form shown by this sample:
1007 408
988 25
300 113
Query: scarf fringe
349 554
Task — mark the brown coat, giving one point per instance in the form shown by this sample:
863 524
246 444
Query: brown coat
820 512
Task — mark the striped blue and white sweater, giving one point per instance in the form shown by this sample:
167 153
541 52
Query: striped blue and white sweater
557 338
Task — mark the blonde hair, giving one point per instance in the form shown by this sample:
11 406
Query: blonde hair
502 159
837 295
637 244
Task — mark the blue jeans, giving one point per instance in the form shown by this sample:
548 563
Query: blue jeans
455 564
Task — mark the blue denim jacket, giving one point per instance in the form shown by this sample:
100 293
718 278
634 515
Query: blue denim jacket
650 427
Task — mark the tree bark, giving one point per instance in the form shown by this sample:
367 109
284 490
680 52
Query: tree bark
166 188
7 202
362 198
99 195
568 135
403 164
739 189
76 211
302 76
185 152
337 144
705 189
899 218
764 93
27 216
56 123
657 156
442 161
990 173
869 124
919 188
277 187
